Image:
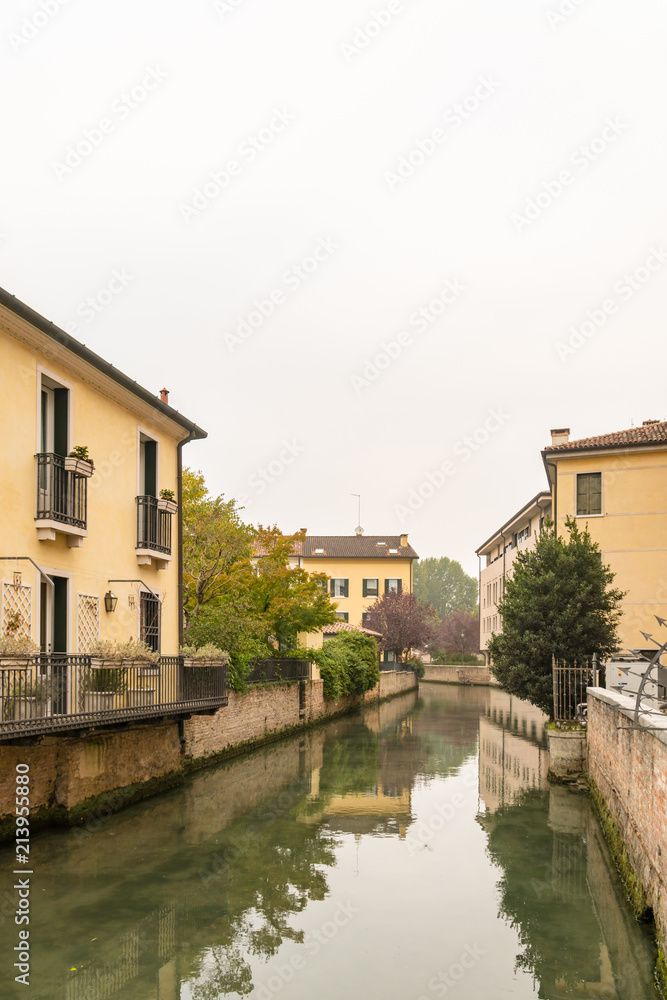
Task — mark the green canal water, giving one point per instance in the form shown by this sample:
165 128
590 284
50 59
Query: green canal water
411 852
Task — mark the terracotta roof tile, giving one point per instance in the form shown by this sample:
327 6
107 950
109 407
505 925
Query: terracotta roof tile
355 547
648 433
346 627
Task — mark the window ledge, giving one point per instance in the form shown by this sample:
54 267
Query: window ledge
146 557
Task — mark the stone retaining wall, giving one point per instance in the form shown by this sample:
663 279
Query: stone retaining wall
451 674
628 775
73 776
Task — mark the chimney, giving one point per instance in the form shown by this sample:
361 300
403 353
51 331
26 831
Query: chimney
561 435
164 395
404 541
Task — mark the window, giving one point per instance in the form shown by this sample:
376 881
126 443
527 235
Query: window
589 493
149 620
364 618
393 586
523 534
371 588
342 616
339 587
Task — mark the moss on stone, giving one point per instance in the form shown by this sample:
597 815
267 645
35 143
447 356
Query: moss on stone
637 895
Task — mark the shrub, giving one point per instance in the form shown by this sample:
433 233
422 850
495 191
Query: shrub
133 649
348 664
417 665
207 652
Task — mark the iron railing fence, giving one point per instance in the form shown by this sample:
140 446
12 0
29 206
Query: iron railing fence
51 693
61 495
153 525
278 669
570 681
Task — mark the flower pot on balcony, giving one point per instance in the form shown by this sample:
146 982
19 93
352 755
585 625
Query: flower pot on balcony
30 708
15 662
167 505
139 697
79 467
98 701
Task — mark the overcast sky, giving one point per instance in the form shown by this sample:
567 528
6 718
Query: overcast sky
357 241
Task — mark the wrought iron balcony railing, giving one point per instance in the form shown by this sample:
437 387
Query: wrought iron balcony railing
62 496
153 526
57 692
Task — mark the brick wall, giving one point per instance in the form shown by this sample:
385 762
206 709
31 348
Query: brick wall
459 675
629 770
68 771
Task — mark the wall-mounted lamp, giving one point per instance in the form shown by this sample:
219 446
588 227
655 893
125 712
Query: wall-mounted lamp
110 601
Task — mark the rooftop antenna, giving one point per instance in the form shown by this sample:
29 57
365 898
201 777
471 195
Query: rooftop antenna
358 530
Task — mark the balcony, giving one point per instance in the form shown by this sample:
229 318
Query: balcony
56 692
62 501
153 533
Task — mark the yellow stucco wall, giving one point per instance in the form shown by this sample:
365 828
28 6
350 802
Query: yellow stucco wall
631 531
355 571
106 418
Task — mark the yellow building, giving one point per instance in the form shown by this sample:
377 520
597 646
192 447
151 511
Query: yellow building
616 485
496 558
68 538
360 568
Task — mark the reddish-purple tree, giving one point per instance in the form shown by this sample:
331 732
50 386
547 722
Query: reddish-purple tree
404 622
458 631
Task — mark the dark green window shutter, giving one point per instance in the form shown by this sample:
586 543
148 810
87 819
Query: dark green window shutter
386 586
60 415
150 468
365 589
400 587
346 584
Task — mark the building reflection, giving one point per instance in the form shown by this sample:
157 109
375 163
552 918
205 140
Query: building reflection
513 755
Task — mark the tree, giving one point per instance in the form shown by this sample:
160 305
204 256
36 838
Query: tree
288 598
559 602
458 631
444 584
216 546
348 664
404 622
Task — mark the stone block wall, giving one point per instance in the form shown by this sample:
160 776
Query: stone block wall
451 674
628 771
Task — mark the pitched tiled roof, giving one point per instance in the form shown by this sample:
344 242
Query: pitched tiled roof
649 433
355 547
346 627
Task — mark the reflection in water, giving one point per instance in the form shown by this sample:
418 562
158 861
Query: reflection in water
191 894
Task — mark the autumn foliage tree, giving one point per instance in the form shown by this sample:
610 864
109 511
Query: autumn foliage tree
457 633
404 622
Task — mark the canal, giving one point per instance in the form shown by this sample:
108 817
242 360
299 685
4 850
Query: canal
411 852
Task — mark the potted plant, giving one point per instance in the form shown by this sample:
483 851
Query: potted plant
209 655
110 664
166 501
100 687
80 462
16 649
29 699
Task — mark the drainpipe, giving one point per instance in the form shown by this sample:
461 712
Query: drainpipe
179 479
554 489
